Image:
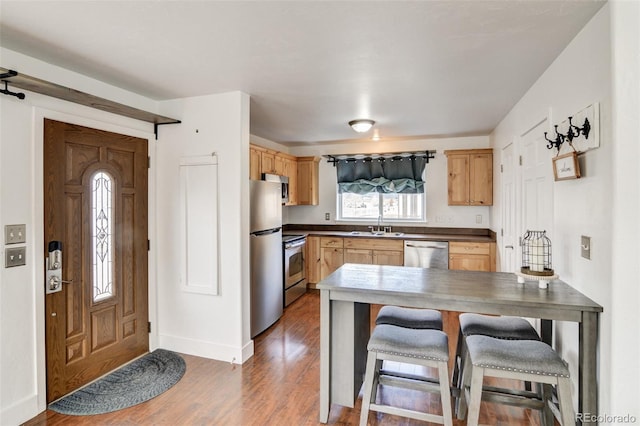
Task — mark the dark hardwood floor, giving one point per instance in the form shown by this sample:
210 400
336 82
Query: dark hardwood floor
279 385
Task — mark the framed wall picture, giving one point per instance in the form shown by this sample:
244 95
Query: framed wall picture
566 166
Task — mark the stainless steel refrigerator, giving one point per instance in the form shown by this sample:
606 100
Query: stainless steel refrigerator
267 292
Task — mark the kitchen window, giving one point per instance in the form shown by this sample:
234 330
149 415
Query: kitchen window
390 207
391 188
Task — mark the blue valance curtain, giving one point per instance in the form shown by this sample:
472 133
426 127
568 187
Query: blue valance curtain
400 175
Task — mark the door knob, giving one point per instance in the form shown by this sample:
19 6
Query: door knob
509 247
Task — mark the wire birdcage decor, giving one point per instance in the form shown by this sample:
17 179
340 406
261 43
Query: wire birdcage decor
536 254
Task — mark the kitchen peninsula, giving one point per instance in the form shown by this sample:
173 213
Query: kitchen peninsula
345 296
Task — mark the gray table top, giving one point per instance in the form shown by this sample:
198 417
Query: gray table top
470 291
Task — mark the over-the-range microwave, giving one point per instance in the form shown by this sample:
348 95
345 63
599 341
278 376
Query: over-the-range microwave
283 180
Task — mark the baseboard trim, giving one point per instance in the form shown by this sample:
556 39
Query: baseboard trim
20 412
231 354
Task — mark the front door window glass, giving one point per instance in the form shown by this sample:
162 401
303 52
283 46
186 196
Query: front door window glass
102 235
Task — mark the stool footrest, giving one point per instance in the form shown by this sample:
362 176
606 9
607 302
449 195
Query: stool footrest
427 417
403 382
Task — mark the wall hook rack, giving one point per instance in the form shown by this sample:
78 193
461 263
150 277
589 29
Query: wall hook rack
6 91
573 132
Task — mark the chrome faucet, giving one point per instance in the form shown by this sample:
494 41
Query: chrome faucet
379 220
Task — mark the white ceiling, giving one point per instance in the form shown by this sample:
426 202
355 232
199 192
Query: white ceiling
418 68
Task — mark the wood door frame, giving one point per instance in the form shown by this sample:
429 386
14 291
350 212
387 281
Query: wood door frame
120 125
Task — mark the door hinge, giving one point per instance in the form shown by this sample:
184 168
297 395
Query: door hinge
520 160
148 162
148 245
502 232
501 168
149 326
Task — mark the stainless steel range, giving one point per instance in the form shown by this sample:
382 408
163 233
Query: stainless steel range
295 280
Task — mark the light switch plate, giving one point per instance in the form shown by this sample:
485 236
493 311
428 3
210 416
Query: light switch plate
585 247
15 256
15 234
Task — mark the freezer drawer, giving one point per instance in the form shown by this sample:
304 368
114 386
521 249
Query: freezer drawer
426 254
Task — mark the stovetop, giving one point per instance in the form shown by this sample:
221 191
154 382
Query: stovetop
289 238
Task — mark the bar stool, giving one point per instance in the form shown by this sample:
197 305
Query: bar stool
505 327
413 346
528 360
410 317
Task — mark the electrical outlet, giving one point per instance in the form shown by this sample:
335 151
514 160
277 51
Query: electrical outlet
15 234
585 247
478 218
15 256
327 216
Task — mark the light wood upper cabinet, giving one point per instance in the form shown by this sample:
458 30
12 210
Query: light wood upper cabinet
255 164
303 180
268 163
291 171
308 169
468 256
470 177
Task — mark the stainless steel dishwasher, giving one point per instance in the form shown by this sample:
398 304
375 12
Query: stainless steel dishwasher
426 254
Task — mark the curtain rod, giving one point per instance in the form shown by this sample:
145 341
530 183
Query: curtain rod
428 154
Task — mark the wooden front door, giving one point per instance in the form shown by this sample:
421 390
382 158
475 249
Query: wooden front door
95 204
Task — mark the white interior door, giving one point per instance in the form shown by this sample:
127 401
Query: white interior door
537 181
509 227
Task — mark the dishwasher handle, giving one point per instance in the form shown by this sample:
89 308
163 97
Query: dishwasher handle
431 247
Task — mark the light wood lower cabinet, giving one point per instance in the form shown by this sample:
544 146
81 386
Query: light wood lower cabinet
331 255
312 261
468 256
326 254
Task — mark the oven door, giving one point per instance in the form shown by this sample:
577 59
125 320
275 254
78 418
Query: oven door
294 270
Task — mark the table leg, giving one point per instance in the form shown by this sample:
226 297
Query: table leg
325 355
546 334
587 382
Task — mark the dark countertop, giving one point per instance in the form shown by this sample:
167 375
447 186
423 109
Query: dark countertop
398 233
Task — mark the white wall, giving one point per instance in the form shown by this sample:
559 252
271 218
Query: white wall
22 353
439 214
581 75
213 326
624 392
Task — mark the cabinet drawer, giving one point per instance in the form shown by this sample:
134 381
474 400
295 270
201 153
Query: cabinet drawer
352 255
470 248
373 244
331 242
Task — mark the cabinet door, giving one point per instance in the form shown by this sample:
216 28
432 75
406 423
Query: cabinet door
267 162
331 259
470 262
278 165
458 179
358 256
291 171
481 179
308 182
388 257
255 168
313 259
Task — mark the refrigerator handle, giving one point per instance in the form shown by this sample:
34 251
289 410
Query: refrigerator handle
266 232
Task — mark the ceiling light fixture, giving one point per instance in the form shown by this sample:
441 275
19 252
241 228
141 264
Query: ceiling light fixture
361 125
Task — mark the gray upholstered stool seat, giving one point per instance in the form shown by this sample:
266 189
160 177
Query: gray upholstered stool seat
530 360
410 317
527 356
425 347
505 327
511 328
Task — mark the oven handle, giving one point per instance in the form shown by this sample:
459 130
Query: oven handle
295 244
